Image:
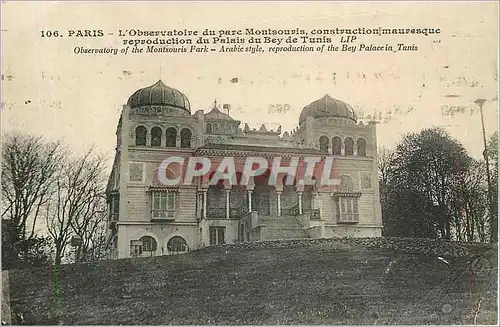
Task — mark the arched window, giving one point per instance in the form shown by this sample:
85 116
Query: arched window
336 146
140 135
349 147
177 244
185 138
323 144
171 137
209 128
361 143
156 136
148 244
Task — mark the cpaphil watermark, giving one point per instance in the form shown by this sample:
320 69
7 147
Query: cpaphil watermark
318 171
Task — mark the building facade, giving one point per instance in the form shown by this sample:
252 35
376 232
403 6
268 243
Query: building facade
148 218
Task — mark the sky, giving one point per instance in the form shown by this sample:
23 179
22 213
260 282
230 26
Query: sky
48 90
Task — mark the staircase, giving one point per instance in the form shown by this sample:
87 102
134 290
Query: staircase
281 227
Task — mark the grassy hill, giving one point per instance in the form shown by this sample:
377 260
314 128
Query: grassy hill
331 281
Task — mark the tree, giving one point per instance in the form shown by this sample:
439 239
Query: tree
77 202
492 152
91 226
385 161
98 245
470 203
31 252
421 182
29 168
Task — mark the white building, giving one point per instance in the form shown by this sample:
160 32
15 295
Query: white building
147 218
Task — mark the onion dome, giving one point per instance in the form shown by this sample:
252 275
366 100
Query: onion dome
327 107
159 94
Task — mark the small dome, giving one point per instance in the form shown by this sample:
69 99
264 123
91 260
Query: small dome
159 94
216 114
327 107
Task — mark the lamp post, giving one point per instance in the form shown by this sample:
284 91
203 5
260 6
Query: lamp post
494 221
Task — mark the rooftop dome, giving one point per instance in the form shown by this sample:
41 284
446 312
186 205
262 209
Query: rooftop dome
327 107
159 94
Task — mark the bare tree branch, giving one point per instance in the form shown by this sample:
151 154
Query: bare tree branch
29 167
79 202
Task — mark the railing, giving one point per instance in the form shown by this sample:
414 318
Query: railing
306 210
238 212
221 212
292 211
245 215
162 215
216 212
303 226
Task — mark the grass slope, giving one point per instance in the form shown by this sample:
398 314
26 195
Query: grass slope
342 281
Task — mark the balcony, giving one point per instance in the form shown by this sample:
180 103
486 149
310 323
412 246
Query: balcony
162 216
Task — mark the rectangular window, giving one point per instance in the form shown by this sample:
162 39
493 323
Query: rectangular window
114 207
163 204
347 209
217 235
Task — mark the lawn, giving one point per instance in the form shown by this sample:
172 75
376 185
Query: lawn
338 281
